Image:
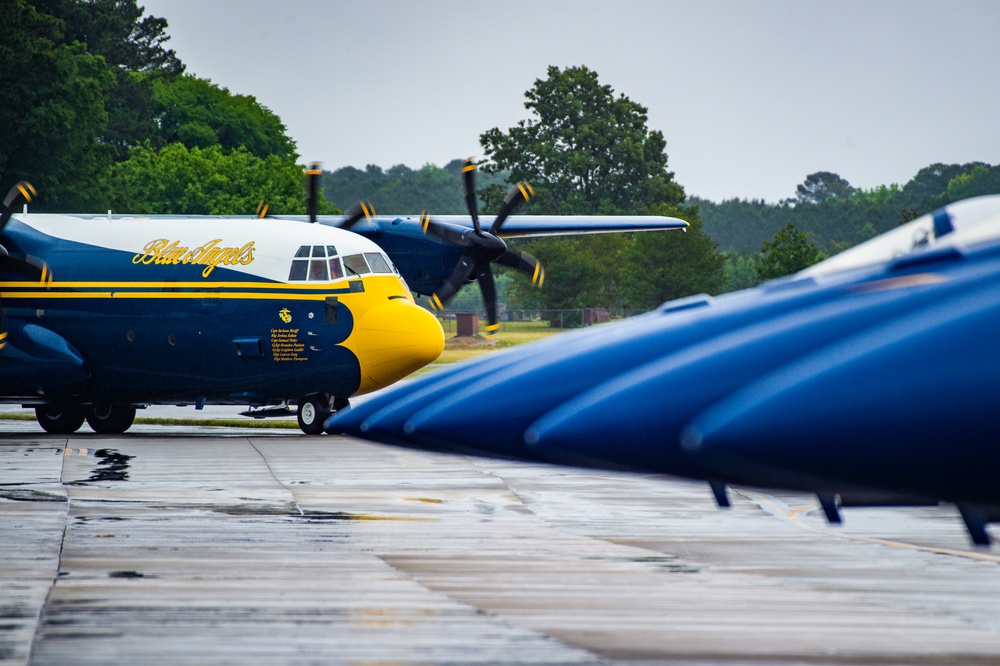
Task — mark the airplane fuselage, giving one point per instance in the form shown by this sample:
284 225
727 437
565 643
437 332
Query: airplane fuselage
211 311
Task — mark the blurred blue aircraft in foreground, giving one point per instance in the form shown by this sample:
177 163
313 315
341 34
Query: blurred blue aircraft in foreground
868 379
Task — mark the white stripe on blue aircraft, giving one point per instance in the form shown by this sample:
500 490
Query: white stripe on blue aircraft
100 315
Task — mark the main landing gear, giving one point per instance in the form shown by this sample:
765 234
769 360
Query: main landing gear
314 410
103 418
111 418
60 419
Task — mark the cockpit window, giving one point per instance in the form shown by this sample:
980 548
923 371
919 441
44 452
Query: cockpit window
315 263
378 262
317 270
355 264
300 269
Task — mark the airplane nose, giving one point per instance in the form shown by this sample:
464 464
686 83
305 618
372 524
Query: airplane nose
395 339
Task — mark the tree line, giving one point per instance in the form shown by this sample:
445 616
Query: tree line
833 215
100 115
402 190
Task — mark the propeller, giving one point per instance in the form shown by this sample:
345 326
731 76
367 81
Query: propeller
481 248
262 208
353 214
313 175
356 212
23 192
20 194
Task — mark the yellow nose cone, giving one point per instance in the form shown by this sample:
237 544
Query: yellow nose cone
394 339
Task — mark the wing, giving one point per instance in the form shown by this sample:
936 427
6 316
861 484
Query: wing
516 227
567 225
427 261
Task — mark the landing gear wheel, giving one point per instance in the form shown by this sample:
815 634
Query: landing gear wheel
59 419
111 418
313 413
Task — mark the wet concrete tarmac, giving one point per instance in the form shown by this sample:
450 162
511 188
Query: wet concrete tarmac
210 545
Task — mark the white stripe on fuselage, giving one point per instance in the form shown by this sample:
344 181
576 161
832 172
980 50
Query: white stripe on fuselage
266 246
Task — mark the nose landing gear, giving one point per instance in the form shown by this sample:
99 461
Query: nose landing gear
314 410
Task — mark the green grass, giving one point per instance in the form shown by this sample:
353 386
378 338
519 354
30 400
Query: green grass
222 423
509 335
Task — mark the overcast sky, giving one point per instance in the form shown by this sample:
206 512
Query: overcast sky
751 96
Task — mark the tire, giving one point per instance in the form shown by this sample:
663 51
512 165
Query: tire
313 413
59 419
111 419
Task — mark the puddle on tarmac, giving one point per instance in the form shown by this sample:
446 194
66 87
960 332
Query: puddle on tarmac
309 516
111 466
665 563
28 495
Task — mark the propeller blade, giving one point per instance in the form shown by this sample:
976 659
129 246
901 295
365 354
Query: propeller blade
458 279
444 233
362 209
469 185
22 191
313 174
518 194
525 263
262 209
488 288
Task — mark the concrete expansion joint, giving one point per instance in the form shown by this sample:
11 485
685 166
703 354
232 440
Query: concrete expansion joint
40 619
270 471
502 480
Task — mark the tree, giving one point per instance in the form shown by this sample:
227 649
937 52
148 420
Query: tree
53 111
930 185
823 185
981 179
585 151
117 31
788 252
740 273
210 181
133 49
580 272
659 267
402 190
200 114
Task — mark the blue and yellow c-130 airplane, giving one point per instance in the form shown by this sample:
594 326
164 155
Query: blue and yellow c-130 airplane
104 314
